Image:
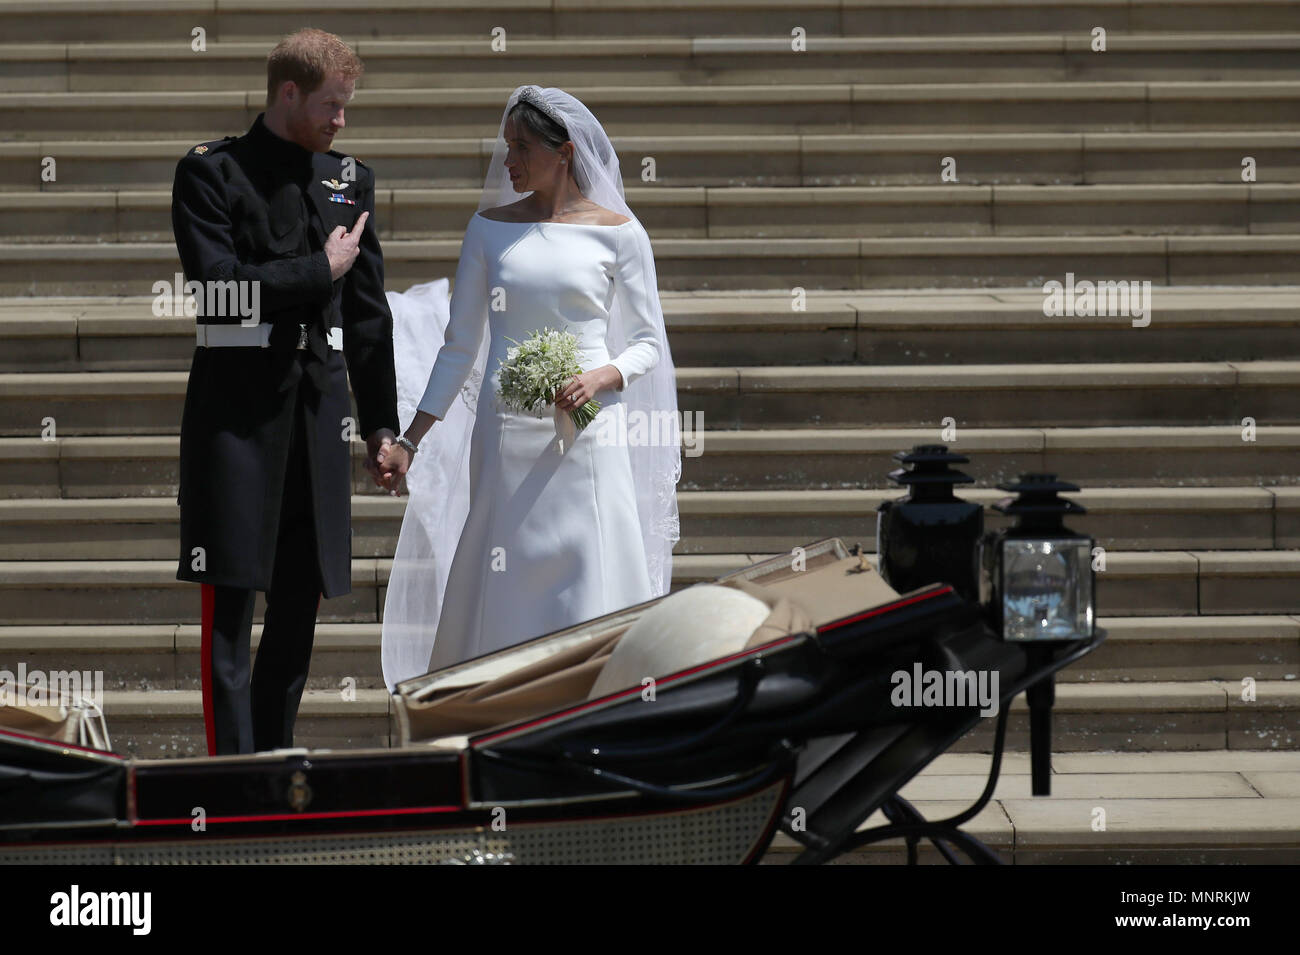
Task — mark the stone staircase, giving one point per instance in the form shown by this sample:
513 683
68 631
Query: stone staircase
774 170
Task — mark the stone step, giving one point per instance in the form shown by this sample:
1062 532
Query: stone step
842 458
668 61
1224 647
751 329
360 21
112 467
794 460
700 212
1134 583
1082 395
712 522
1137 650
791 158
985 396
742 109
1126 717
1087 717
1213 806
157 723
133 268
134 592
165 656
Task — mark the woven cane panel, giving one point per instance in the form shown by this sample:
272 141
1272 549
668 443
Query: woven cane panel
716 835
418 848
59 855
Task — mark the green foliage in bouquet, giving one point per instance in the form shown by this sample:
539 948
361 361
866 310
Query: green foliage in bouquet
534 370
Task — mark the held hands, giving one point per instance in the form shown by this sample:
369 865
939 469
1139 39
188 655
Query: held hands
386 461
342 247
393 461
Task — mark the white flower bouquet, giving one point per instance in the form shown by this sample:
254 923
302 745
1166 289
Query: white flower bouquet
535 370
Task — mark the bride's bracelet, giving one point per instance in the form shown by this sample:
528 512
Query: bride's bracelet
407 443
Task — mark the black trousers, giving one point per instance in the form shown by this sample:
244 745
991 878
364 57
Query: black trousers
244 715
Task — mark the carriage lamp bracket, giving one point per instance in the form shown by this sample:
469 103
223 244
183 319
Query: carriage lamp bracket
907 822
915 827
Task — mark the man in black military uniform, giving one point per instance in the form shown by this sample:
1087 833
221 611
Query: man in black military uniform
265 483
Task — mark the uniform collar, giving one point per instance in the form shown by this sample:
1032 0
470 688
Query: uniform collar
283 152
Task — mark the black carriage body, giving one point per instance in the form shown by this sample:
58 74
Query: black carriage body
728 748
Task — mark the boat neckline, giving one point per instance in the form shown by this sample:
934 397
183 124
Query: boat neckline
589 225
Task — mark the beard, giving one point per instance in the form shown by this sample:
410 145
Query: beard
307 133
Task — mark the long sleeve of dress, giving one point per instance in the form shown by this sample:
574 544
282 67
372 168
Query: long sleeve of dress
465 327
638 300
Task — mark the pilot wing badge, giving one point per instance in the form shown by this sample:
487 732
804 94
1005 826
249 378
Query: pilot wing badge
336 195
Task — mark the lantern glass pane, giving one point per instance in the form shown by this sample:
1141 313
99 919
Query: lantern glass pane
1047 589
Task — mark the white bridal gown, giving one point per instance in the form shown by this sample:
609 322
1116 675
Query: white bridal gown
552 538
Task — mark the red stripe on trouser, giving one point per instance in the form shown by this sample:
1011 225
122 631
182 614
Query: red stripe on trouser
205 666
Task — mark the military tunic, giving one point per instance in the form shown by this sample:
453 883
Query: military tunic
259 208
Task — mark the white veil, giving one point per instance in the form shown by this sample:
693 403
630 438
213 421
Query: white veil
438 479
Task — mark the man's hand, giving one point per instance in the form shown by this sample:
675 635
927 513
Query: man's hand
379 447
342 247
395 460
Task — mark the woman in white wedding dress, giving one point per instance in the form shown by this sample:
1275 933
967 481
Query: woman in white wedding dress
558 526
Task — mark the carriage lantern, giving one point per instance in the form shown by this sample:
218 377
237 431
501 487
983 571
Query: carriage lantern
1036 578
1037 584
931 534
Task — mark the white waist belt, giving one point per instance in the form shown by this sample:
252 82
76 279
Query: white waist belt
250 336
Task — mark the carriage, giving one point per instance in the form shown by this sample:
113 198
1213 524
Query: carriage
673 731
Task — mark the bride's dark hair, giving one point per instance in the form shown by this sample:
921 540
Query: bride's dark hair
550 133
553 134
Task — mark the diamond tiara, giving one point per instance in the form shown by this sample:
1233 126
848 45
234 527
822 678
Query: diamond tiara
533 95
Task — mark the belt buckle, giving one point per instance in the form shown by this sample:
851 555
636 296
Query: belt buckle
302 335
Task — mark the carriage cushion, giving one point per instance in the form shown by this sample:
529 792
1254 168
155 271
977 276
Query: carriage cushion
692 626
